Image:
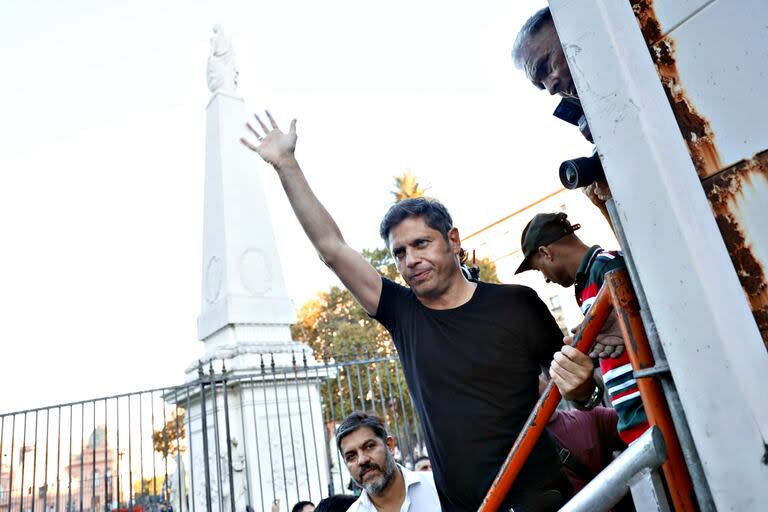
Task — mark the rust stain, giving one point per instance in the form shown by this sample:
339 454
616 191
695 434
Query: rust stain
646 16
724 190
694 127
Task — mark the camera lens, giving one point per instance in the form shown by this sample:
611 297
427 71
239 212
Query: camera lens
581 172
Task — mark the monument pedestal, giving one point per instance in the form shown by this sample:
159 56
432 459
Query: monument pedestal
256 430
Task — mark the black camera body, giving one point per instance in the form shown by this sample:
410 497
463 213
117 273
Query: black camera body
578 172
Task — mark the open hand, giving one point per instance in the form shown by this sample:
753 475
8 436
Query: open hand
275 147
610 341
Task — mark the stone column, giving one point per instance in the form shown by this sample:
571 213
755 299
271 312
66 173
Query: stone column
276 431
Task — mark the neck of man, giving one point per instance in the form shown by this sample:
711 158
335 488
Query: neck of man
392 496
457 293
575 257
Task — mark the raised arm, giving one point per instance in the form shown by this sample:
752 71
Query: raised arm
278 148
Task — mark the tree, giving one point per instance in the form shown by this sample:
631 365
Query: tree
407 187
168 440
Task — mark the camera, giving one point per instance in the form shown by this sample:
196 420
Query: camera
578 172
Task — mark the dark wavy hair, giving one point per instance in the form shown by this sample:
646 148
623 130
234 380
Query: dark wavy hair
336 503
435 214
357 420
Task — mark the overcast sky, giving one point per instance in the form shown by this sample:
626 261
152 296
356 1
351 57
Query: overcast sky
102 158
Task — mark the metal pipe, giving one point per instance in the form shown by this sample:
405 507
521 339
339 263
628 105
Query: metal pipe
182 494
290 432
536 423
117 450
228 435
279 426
10 471
608 487
58 457
34 466
45 470
141 446
93 460
23 461
216 444
311 418
166 450
130 459
106 472
244 436
332 416
191 444
301 424
204 431
636 344
269 433
152 417
690 454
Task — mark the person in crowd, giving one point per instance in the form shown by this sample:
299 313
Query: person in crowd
470 351
336 503
587 442
368 452
550 246
422 464
303 506
538 52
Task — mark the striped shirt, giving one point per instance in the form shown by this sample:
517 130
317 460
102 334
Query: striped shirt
617 373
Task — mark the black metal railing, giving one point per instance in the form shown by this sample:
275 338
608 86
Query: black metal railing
225 441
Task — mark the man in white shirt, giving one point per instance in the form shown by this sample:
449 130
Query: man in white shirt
368 453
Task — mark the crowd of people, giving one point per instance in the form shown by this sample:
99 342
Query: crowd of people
473 352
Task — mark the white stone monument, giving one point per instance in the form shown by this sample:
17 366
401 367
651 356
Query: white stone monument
276 431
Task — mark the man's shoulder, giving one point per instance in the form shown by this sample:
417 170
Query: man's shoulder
507 290
605 261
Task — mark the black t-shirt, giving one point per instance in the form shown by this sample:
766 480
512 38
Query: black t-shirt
473 374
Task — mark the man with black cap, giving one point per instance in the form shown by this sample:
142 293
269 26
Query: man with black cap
550 246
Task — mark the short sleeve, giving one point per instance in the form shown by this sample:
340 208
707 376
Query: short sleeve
544 333
392 301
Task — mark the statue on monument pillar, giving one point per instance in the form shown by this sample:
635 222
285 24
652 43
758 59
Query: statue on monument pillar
222 71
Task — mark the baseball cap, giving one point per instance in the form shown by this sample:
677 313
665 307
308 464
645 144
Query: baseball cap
543 229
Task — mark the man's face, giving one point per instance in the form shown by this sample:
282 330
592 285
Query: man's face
369 459
544 63
423 465
308 508
425 259
549 263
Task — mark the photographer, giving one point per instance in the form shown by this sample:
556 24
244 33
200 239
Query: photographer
537 51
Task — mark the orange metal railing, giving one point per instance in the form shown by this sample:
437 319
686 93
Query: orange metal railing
616 294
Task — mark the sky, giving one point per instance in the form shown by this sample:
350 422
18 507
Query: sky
102 147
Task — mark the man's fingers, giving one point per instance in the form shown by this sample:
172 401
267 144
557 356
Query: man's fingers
253 130
271 120
263 126
562 361
292 130
250 146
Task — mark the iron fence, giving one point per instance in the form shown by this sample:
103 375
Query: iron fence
223 442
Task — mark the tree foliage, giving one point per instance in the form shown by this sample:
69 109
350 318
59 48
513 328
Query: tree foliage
168 440
407 187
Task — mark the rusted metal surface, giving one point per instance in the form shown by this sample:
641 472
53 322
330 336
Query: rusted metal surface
639 352
537 421
726 192
694 127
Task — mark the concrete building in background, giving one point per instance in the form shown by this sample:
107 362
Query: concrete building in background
500 242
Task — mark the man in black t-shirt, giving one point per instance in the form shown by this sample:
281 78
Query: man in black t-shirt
471 352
